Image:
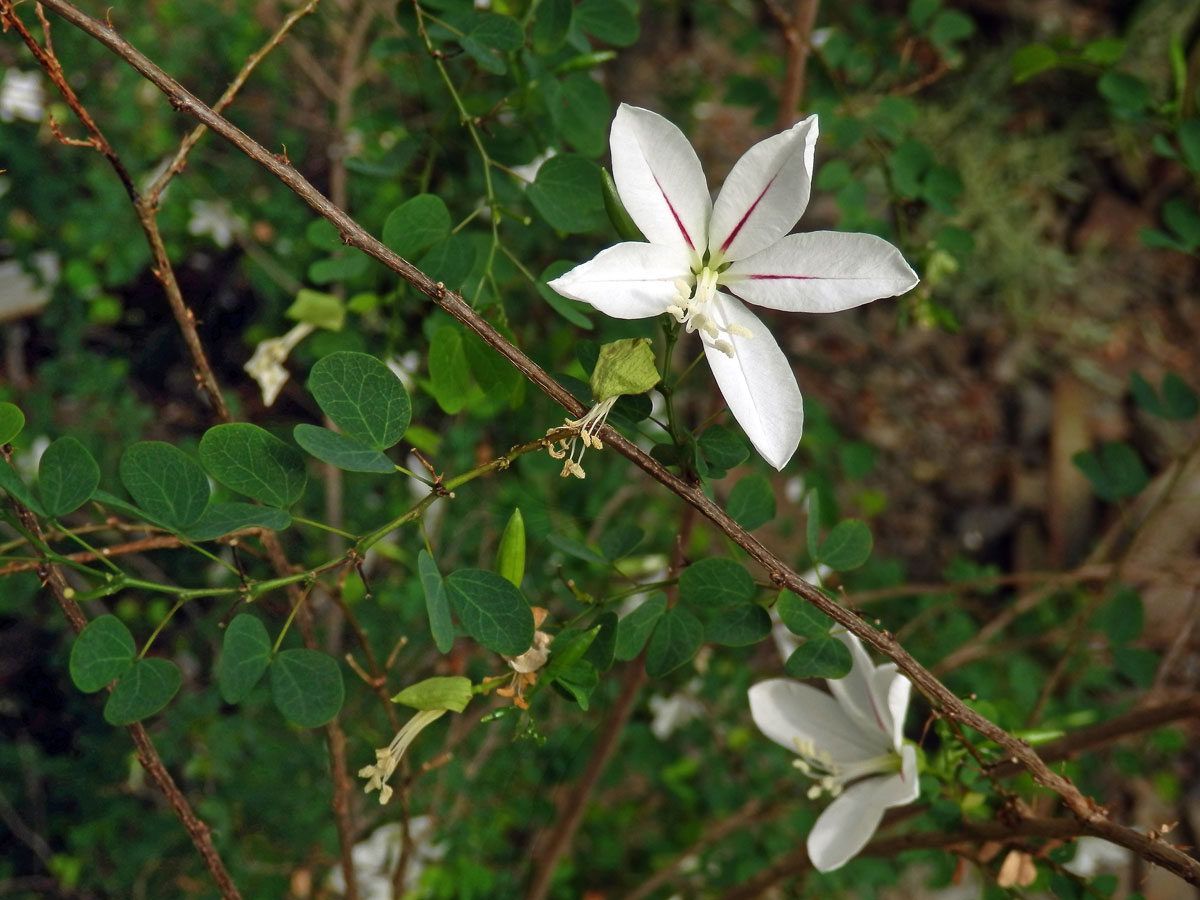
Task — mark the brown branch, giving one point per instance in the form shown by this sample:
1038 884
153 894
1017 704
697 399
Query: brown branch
158 542
797 38
779 572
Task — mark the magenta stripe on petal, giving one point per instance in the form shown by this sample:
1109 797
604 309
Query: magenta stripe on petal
783 277
687 237
748 213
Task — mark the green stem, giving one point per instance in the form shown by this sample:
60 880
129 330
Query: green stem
159 627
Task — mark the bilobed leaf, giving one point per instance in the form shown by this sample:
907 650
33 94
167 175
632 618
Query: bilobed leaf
801 618
847 547
12 420
493 374
341 451
165 482
578 682
737 626
488 58
67 476
820 657
449 260
715 582
635 628
567 193
1145 396
306 687
496 30
245 655
1115 472
437 603
1127 93
583 114
449 370
549 30
510 554
604 647
220 519
363 397
252 461
492 611
416 225
104 650
751 502
1122 618
610 21
146 688
675 641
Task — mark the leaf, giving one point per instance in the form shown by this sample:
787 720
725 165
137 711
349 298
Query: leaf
449 370
510 555
341 451
1145 396
12 421
416 225
165 482
610 21
675 641
498 31
306 687
578 682
67 476
715 582
549 31
847 547
1179 400
620 540
492 611
11 482
1104 52
801 617
571 310
568 647
1115 472
104 650
1122 618
722 447
567 194
142 691
737 626
751 502
252 461
245 655
1189 143
450 261
604 647
318 309
950 26
634 628
921 11
583 112
363 397
220 519
820 657
576 549
487 58
1126 92
442 692
437 603
494 375
1183 219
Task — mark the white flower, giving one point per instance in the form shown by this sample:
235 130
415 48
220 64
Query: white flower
266 363
387 758
676 710
704 259
851 744
376 858
216 219
21 96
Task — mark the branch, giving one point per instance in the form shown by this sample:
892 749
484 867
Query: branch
779 572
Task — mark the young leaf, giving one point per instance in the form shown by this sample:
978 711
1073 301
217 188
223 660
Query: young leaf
340 451
751 502
12 420
245 655
493 612
801 618
104 650
363 397
67 476
820 657
220 519
847 547
675 641
437 604
715 582
142 691
510 555
165 482
306 687
635 628
252 461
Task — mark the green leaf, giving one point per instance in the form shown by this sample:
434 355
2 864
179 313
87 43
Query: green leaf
318 309
801 617
165 482
578 682
737 626
1032 60
1103 52
614 207
1136 664
583 112
1115 472
1189 143
620 540
1122 617
306 687
363 397
604 647
675 641
549 31
576 549
949 27
498 31
921 11
1179 400
492 611
722 447
437 604
847 547
345 265
624 367
12 420
341 451
568 647
1126 92
1145 396
568 194
488 59
610 21
416 225
104 650
715 582
220 519
252 461
142 691
449 372
245 655
1183 219
751 502
571 310
635 628
450 261
67 476
510 555
820 657
442 692
494 375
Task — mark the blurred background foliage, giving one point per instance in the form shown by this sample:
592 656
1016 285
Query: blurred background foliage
1037 162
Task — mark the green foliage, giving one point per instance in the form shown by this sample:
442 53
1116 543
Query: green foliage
801 618
847 546
751 502
715 582
252 461
677 637
226 517
306 687
568 193
437 602
492 610
245 655
67 476
635 628
1115 471
165 482
102 652
142 691
341 451
823 656
362 397
1175 399
510 554
12 420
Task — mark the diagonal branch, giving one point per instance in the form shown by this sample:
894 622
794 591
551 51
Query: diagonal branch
1092 817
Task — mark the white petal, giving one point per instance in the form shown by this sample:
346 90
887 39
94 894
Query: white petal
848 822
857 694
785 710
758 384
627 281
765 193
820 272
897 693
659 178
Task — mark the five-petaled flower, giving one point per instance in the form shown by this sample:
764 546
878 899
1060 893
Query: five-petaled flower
851 744
703 259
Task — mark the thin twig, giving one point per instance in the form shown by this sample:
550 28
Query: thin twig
797 38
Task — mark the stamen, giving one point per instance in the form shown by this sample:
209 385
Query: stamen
688 310
588 434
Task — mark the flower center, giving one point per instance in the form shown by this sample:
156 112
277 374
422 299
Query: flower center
693 308
831 776
588 426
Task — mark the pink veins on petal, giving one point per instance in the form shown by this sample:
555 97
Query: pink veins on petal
749 212
667 200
